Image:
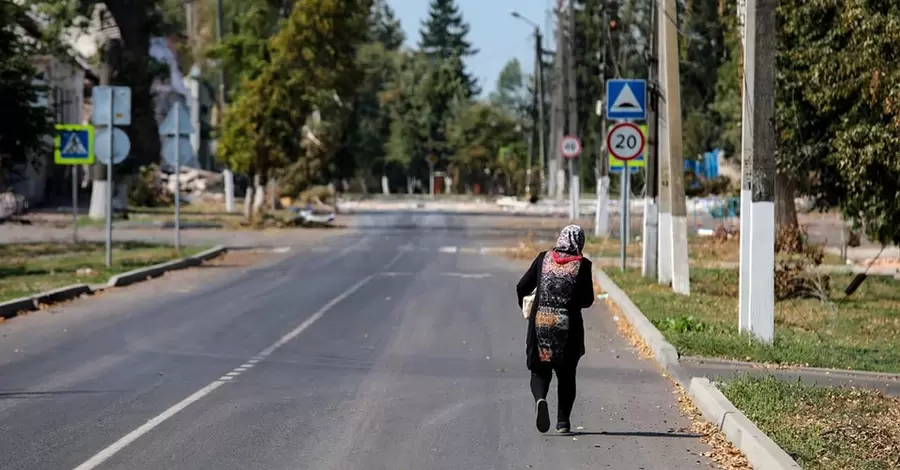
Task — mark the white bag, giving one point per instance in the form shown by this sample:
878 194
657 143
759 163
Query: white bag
527 303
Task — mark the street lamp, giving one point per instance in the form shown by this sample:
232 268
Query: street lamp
539 93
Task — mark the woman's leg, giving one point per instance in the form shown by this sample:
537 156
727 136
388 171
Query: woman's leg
541 376
567 391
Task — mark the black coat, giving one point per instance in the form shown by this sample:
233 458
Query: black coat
582 297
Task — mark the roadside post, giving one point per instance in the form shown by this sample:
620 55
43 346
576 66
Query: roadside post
111 108
74 146
570 148
176 130
625 142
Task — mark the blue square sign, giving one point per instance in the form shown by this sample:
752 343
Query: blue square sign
74 144
626 99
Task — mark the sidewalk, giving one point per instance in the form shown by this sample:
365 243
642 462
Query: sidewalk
718 369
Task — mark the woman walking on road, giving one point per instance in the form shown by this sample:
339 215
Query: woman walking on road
562 283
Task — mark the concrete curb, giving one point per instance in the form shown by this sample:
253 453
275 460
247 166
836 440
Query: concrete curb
761 452
759 449
13 308
663 351
150 272
816 370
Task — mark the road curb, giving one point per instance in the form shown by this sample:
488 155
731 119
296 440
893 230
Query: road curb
663 351
12 308
848 373
150 272
760 450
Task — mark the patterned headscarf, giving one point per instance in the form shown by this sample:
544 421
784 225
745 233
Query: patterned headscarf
570 241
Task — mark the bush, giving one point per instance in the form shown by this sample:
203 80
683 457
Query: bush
795 260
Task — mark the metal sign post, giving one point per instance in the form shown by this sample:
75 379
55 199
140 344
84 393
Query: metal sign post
571 148
74 146
625 142
177 131
112 107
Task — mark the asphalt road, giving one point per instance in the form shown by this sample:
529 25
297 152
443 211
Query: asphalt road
379 349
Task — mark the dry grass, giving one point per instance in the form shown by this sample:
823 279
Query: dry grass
823 428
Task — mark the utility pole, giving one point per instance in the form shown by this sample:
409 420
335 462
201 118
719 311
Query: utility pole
681 283
574 173
539 78
607 53
651 214
558 116
664 225
761 100
747 11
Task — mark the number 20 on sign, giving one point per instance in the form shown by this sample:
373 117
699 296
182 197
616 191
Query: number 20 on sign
625 141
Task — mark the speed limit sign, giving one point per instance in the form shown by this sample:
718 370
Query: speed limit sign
570 146
625 141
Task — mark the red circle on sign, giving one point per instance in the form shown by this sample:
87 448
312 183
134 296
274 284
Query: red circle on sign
562 146
612 131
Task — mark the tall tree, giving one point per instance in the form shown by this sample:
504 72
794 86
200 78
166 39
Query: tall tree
444 37
27 124
512 93
384 26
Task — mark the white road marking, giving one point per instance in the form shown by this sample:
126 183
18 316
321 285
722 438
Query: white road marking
282 249
127 439
449 249
468 275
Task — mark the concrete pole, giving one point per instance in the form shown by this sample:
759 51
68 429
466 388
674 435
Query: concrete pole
749 37
542 131
680 268
762 210
651 209
574 163
664 237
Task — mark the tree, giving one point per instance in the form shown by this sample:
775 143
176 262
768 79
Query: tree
444 37
312 70
512 94
27 125
384 27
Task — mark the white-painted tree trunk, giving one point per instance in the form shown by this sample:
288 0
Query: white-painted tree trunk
650 244
601 215
97 210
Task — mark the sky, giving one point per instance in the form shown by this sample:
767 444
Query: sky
494 32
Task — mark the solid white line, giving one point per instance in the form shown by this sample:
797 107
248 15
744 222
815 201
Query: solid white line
117 446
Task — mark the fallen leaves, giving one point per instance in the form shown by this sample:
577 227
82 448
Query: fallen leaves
722 452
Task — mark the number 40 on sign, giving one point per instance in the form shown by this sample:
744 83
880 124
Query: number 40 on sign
625 141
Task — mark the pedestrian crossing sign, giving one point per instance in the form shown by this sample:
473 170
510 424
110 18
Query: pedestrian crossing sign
74 144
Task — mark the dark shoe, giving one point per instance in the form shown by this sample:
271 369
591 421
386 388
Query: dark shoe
543 416
563 428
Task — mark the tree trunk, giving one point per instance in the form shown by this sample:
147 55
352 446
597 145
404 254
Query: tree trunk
785 209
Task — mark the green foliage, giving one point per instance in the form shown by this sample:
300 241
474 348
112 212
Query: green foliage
444 38
27 125
311 68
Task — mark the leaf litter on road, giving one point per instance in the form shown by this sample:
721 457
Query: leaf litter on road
722 452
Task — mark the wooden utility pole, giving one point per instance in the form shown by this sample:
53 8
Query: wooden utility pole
572 105
762 211
651 210
680 268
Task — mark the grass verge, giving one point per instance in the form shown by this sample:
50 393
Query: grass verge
823 428
29 268
861 332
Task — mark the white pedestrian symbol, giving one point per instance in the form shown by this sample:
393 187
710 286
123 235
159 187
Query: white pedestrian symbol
74 146
626 101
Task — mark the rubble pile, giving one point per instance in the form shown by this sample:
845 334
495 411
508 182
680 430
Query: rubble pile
196 184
